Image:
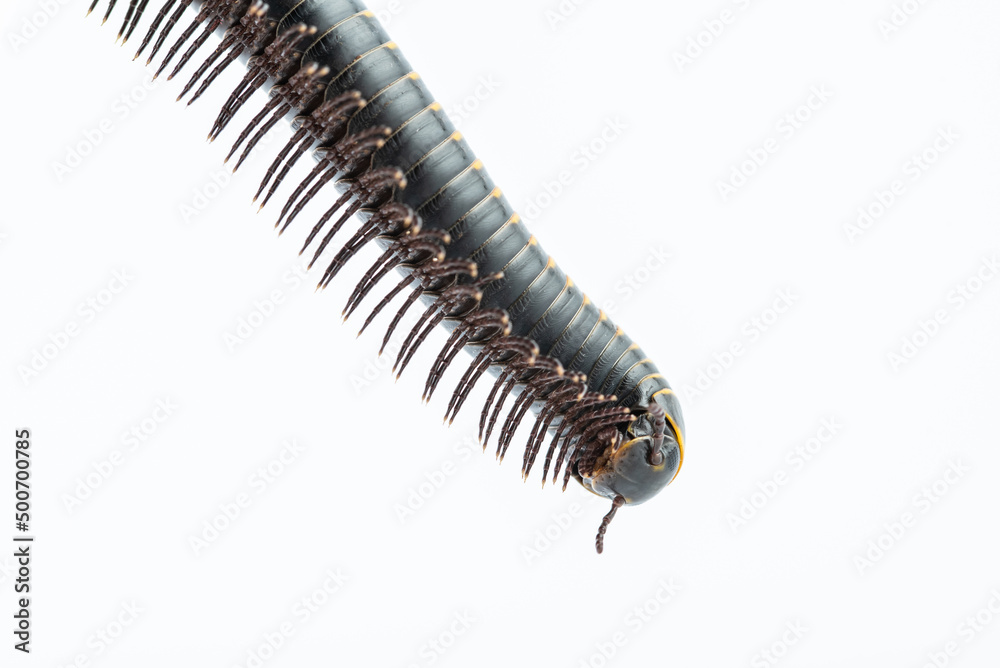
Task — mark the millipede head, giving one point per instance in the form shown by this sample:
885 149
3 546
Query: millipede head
635 462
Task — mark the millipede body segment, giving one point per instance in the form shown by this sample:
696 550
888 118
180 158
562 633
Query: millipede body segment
386 152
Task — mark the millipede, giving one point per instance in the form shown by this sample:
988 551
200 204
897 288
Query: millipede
387 156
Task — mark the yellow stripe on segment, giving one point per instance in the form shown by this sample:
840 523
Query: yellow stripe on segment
382 90
584 344
440 190
354 63
513 220
680 445
470 211
634 346
618 333
366 13
551 263
628 443
433 106
549 308
625 375
569 324
427 155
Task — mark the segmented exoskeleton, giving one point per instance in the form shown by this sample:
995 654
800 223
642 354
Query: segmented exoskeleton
603 413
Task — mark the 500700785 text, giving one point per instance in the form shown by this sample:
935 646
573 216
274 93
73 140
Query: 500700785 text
22 544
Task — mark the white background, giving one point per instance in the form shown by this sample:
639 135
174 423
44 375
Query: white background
847 548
